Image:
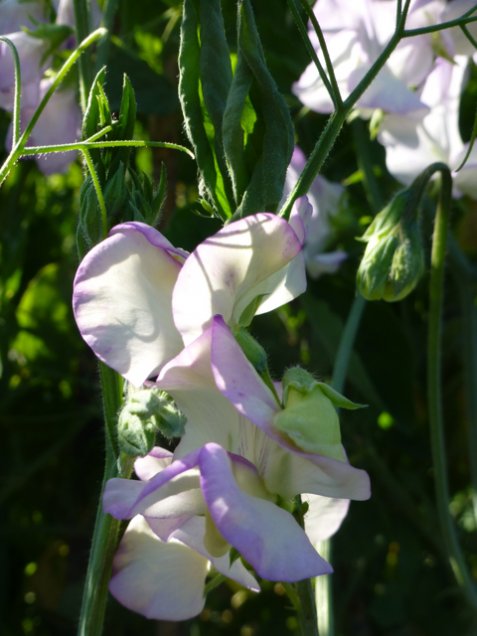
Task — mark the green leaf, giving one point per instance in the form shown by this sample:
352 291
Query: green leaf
202 28
269 147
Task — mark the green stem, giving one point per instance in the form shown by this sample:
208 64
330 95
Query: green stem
18 148
436 296
97 187
293 4
462 21
106 530
92 145
345 348
306 608
18 88
83 27
336 95
365 164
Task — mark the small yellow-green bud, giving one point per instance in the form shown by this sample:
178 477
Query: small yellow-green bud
309 417
393 261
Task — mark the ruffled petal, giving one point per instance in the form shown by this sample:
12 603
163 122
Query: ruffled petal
159 580
122 300
231 269
177 484
266 536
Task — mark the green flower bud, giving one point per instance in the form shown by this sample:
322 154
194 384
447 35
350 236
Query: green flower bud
145 413
309 417
393 261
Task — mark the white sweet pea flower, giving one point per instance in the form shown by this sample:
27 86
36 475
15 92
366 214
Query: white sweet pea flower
414 142
137 299
356 34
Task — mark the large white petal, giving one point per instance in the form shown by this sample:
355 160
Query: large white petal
229 270
159 580
122 300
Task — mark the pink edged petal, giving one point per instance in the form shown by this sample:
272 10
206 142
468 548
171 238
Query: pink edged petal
192 533
189 379
227 271
159 580
122 301
237 379
125 498
324 516
155 461
315 474
266 536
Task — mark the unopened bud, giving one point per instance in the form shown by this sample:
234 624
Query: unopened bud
145 413
309 417
393 261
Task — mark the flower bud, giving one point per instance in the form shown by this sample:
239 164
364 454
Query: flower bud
309 417
145 413
393 261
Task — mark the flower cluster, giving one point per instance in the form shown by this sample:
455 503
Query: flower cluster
22 23
221 500
414 100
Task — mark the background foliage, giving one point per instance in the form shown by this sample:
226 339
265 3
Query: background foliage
391 576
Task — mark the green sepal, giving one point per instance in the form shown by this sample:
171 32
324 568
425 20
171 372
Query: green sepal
254 352
127 111
97 114
309 416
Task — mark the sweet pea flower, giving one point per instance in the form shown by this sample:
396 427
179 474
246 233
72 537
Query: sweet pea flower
221 487
175 549
325 199
356 34
414 142
137 299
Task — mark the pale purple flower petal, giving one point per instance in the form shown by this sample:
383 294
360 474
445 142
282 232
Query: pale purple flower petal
122 301
30 51
324 516
233 268
268 537
192 534
160 580
59 123
306 472
155 461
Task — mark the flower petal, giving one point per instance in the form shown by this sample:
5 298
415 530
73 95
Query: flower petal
324 516
122 300
192 534
156 579
229 270
155 461
267 536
